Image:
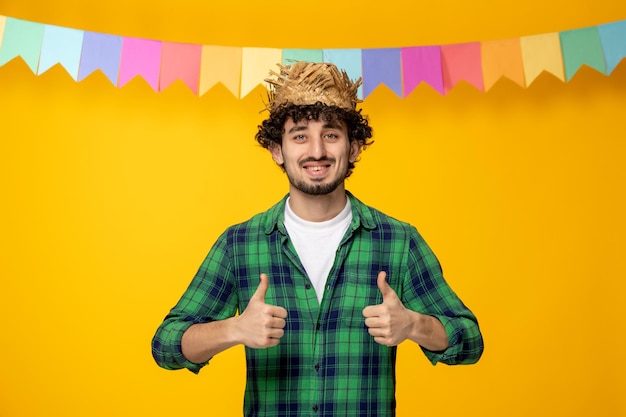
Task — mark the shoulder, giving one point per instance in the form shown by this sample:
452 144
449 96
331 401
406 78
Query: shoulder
388 228
261 223
372 218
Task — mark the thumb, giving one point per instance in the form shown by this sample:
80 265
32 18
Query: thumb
383 285
259 294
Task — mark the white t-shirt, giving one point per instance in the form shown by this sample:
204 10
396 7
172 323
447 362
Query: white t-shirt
316 243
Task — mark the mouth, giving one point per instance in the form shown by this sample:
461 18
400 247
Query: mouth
317 169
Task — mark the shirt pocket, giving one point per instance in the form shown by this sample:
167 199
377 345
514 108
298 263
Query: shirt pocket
354 293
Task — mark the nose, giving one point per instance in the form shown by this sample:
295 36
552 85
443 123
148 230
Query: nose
317 148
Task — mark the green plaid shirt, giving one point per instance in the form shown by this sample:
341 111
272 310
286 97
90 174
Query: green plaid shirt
326 364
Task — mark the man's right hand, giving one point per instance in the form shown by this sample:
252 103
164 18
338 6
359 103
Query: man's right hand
261 325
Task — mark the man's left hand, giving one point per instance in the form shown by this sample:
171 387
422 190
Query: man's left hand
390 323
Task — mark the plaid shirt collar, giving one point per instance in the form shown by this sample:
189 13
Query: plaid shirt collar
361 216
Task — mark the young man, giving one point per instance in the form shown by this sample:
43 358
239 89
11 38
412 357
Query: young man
325 286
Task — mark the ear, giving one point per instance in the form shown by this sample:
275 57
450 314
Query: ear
277 154
355 150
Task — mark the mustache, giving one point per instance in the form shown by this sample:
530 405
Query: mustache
307 160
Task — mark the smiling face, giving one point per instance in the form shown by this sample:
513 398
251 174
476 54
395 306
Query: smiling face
315 155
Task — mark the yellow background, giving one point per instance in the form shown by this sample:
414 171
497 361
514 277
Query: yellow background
112 197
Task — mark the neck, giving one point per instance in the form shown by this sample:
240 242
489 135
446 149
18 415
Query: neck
317 208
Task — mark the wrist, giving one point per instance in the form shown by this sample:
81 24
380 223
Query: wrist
428 332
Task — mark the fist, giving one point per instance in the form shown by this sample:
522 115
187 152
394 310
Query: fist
390 322
261 325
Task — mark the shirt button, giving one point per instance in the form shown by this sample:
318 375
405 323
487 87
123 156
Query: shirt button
315 408
307 286
317 326
317 366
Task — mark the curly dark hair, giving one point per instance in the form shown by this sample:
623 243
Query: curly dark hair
272 129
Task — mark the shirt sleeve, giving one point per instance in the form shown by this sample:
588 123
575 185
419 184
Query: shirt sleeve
210 296
426 291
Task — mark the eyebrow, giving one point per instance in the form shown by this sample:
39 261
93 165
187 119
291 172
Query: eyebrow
301 127
298 128
333 125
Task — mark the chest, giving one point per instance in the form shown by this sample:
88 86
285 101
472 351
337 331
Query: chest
349 287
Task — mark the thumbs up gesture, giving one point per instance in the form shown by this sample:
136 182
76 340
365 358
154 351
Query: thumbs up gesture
261 325
390 323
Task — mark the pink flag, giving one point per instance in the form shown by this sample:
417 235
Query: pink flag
180 61
422 63
140 57
462 62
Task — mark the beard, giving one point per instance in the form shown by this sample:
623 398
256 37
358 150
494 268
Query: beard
317 188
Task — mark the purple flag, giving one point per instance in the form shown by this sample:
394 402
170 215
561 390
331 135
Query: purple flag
381 66
101 52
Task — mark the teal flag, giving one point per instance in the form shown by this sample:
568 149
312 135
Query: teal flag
582 47
613 36
24 39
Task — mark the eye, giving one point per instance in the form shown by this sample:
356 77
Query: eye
331 136
299 138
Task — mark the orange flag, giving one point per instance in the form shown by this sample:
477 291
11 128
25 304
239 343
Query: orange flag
502 58
220 64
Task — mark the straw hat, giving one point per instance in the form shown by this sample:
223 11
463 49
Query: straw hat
309 83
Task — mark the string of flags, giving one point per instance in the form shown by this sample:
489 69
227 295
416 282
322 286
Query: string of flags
241 69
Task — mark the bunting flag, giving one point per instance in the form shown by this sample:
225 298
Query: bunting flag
481 64
3 22
542 53
308 55
502 58
100 52
349 60
140 57
255 65
24 39
613 37
422 64
220 64
180 61
381 66
461 62
580 47
61 46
